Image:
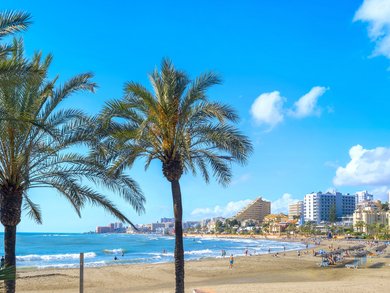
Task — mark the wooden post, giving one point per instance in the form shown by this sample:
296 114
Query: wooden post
81 272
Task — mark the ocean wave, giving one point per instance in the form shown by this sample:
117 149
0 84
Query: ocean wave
198 252
56 235
51 257
114 251
73 265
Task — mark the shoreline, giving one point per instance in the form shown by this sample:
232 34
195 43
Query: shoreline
265 273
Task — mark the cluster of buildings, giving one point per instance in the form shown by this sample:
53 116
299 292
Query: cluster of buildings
359 210
111 228
166 226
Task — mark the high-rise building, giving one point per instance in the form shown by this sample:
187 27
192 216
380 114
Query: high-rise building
295 210
256 210
361 196
320 206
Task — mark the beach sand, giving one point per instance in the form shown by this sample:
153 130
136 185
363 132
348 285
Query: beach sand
261 273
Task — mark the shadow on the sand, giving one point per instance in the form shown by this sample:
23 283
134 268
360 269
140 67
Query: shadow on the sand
377 265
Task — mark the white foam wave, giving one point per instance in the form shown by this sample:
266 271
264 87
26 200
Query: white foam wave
113 251
198 252
60 266
51 257
55 235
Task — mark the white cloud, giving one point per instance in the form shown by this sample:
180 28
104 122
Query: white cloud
307 104
366 167
281 204
226 211
268 109
377 14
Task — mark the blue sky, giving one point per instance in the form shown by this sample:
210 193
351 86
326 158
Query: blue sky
310 80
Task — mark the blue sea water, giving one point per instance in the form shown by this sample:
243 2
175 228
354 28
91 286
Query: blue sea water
57 250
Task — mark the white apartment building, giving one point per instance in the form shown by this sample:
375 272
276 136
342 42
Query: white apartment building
361 196
318 206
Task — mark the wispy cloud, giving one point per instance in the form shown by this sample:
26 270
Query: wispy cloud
307 104
226 211
281 204
381 192
241 179
377 14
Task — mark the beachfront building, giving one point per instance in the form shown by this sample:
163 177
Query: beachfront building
319 207
275 218
362 196
256 211
295 210
277 223
111 228
366 217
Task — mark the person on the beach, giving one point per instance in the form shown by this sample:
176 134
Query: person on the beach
269 250
299 253
246 252
231 261
2 262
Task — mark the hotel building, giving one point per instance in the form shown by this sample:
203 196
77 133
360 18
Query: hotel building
361 196
256 210
295 210
318 206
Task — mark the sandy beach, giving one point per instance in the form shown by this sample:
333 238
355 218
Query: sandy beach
260 273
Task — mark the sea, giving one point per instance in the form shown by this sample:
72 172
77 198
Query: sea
62 250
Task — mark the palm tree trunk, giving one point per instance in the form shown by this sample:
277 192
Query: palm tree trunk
179 248
10 258
10 215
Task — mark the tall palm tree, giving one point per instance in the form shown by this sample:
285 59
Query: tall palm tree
38 149
178 125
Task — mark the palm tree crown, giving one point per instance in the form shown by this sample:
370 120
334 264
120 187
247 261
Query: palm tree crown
178 125
36 141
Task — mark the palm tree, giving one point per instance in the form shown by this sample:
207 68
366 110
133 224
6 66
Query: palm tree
360 225
179 126
38 149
